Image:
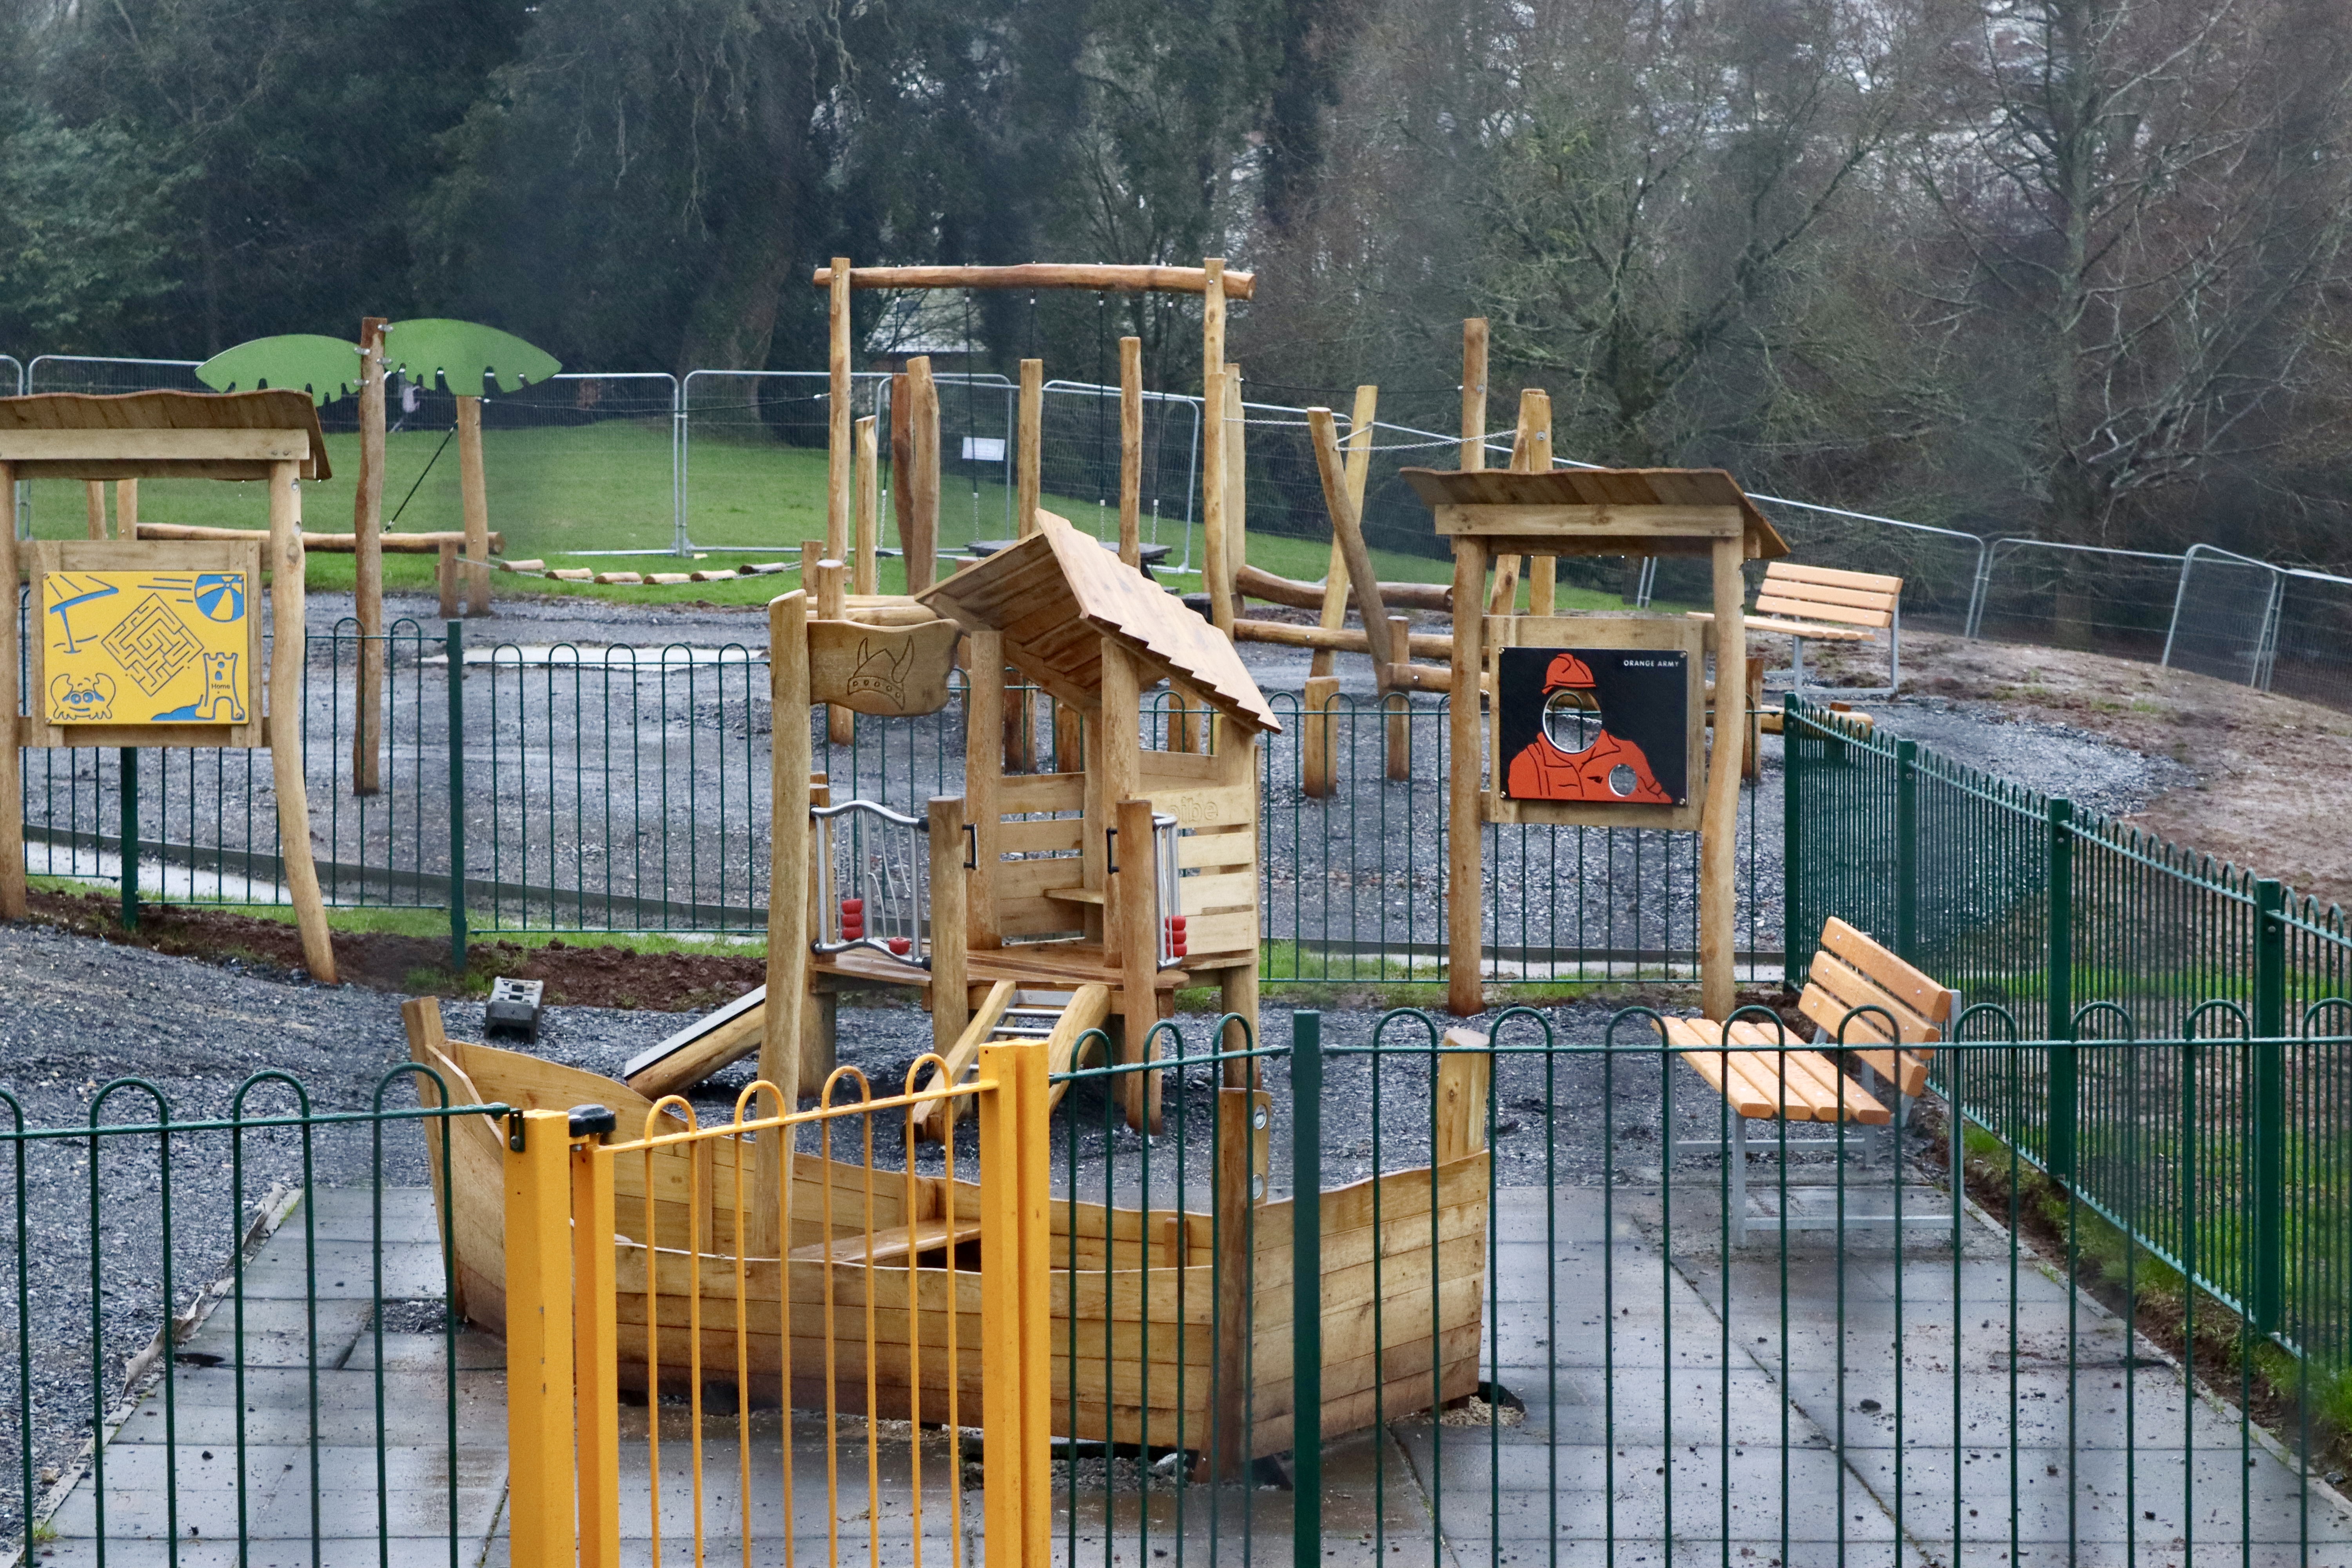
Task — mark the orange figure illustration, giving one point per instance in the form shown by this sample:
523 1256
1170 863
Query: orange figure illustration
1574 755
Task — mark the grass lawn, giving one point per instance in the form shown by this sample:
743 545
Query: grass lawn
557 494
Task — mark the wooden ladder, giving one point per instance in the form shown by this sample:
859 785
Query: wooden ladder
1010 1011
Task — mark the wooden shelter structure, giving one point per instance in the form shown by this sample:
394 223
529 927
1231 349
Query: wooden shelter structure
1493 517
180 615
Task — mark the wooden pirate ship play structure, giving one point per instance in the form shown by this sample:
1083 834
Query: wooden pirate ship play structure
1037 906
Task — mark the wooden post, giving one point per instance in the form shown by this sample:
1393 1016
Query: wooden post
93 496
865 567
1543 570
1347 530
12 758
285 719
950 1000
1130 450
921 540
126 508
1228 1454
477 506
1334 570
1474 403
902 461
1719 817
836 446
1317 769
367 564
1029 439
788 856
1216 572
1504 600
1135 938
983 766
1397 710
444 577
1114 783
1238 993
829 580
1465 852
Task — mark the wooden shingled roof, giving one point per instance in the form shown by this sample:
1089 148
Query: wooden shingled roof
1606 489
42 436
1056 592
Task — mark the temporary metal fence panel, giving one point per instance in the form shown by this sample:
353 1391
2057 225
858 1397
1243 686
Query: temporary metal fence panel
247 1341
979 451
2224 617
752 448
1079 453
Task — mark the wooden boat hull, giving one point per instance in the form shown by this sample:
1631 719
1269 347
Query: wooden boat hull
1132 1293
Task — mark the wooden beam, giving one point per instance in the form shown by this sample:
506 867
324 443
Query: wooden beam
836 447
367 566
1345 639
286 664
1257 582
1562 523
153 446
865 568
1333 601
1130 450
1227 1457
12 792
1473 393
902 462
474 490
1347 527
1134 937
788 850
1106 277
323 543
126 508
1029 449
1466 851
921 541
94 501
950 1003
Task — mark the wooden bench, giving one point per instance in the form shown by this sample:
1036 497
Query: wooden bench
1762 1075
1820 603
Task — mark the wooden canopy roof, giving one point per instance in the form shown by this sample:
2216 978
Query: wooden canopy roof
161 435
1057 593
1600 511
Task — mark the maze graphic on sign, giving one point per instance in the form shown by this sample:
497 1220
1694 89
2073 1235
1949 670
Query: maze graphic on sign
181 640
151 645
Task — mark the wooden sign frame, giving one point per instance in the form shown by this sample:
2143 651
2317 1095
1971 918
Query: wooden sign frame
59 555
1663 634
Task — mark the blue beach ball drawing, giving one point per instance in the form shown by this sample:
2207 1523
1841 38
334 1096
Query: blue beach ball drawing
220 597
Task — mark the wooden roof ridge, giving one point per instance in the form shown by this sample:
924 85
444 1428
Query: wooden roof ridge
269 409
1601 487
1096 587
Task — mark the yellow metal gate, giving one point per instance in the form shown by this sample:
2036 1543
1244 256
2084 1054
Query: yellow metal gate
808 1342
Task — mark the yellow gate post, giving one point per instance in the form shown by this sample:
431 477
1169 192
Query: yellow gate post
596 1346
1016 1365
536 1173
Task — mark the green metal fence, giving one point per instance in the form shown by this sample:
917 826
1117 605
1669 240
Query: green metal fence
2164 987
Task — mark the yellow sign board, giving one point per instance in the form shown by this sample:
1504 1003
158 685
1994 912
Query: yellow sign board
146 647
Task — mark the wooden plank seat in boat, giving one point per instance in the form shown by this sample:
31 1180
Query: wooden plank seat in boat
892 1244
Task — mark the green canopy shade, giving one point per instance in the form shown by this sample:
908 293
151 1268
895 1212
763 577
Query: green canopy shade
462 353
329 367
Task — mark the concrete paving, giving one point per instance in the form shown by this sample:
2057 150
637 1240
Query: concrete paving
1797 1408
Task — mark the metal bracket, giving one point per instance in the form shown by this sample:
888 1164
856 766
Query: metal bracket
514 1130
1110 852
971 846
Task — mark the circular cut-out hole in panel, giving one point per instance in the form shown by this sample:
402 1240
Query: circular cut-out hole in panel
1621 783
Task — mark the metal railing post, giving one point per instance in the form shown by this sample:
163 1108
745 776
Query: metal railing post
536 1174
2269 1142
1016 1355
2064 1098
1906 849
130 833
454 640
1306 1287
1792 839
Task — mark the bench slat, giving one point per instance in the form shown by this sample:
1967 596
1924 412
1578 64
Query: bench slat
1774 605
1750 1080
1915 988
1848 990
1832 575
1823 593
1909 1080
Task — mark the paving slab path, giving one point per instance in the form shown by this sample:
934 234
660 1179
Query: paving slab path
1795 1409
